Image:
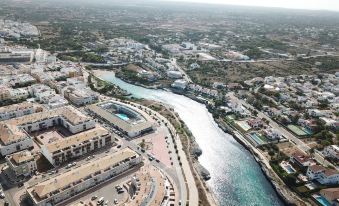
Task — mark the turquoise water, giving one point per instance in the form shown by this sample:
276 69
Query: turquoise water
123 116
322 201
236 178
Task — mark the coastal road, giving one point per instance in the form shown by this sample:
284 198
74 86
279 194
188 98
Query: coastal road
192 192
300 144
185 76
181 177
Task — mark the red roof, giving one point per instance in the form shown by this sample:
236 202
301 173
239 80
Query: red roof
330 172
300 157
317 168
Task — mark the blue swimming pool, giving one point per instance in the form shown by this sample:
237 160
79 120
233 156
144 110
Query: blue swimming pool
123 116
257 139
321 200
290 169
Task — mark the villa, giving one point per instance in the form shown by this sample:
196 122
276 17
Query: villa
301 159
331 195
323 175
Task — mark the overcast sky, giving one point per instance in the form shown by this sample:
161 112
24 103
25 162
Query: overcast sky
295 4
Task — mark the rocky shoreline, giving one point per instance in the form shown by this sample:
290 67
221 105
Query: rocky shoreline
287 196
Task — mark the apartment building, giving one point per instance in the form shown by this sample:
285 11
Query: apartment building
15 132
17 110
13 139
64 149
21 163
80 97
78 180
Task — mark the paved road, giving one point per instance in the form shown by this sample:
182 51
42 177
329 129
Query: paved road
185 76
300 144
192 192
174 172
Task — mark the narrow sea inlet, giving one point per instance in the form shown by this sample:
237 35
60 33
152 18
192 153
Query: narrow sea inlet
236 178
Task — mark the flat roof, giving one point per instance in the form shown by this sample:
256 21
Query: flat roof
22 156
76 139
14 107
65 179
68 112
10 132
113 119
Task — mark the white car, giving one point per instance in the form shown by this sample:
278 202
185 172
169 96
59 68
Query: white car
2 195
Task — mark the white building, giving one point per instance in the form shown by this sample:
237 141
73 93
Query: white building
174 74
331 151
323 175
64 149
18 94
123 117
13 139
21 163
16 110
69 184
14 133
272 134
179 84
80 97
194 66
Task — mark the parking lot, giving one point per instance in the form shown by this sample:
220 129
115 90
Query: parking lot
108 191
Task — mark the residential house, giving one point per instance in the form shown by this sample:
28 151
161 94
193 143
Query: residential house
256 123
323 175
331 195
301 159
331 151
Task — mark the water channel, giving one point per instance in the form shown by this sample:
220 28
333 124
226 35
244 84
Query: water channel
236 178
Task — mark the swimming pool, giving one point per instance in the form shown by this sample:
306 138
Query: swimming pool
321 200
287 167
257 139
123 116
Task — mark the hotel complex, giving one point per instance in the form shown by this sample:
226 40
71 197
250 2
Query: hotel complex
75 181
123 117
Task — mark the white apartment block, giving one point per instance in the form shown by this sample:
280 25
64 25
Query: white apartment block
21 163
16 110
14 132
18 94
13 140
80 97
78 180
63 149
